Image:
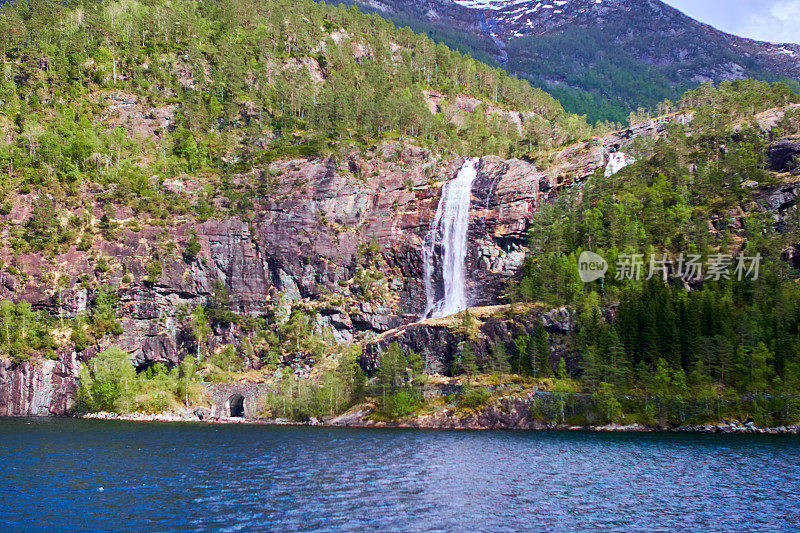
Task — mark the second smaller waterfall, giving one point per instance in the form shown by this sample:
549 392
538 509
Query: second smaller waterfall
449 227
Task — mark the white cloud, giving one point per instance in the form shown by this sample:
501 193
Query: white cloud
777 23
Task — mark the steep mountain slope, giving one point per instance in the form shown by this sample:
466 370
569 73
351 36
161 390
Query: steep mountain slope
225 165
200 191
599 57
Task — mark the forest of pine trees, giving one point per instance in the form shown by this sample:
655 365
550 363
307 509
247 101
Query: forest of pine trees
311 73
729 336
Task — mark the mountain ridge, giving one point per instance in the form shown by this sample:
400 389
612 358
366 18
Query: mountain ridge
586 52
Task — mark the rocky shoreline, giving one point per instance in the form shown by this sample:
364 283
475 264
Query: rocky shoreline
186 417
356 420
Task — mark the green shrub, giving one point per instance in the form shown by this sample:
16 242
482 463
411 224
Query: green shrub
607 403
192 250
85 244
154 270
79 337
108 228
102 265
401 403
474 398
107 382
228 359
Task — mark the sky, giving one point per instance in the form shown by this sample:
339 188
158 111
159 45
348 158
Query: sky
765 20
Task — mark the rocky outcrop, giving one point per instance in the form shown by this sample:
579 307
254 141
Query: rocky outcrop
780 200
41 388
784 155
792 256
649 129
440 342
507 413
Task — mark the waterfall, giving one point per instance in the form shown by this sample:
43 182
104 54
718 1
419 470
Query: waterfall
449 228
617 161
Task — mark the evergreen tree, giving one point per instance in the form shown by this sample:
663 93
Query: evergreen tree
499 358
540 357
468 363
391 367
522 358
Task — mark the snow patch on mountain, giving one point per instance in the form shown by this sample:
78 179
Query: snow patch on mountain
490 4
528 5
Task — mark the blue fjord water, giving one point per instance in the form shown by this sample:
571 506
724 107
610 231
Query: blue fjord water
66 474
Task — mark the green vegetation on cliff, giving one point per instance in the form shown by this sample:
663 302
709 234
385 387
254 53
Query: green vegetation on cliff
247 82
699 191
121 116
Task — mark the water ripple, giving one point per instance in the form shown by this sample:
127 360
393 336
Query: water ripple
257 478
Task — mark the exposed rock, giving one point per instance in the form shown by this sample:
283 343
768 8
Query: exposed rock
771 118
784 155
202 413
128 111
440 342
39 388
648 129
437 345
792 256
778 199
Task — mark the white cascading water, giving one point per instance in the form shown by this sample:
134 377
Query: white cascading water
449 227
617 161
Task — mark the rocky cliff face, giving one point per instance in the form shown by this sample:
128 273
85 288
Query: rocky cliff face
340 237
785 155
41 388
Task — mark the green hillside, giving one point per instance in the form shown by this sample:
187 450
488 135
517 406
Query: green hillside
604 73
604 65
301 74
700 192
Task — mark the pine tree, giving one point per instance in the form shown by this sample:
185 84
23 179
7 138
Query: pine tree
662 379
759 369
620 365
522 360
499 358
43 225
468 363
540 357
562 373
590 367
467 323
